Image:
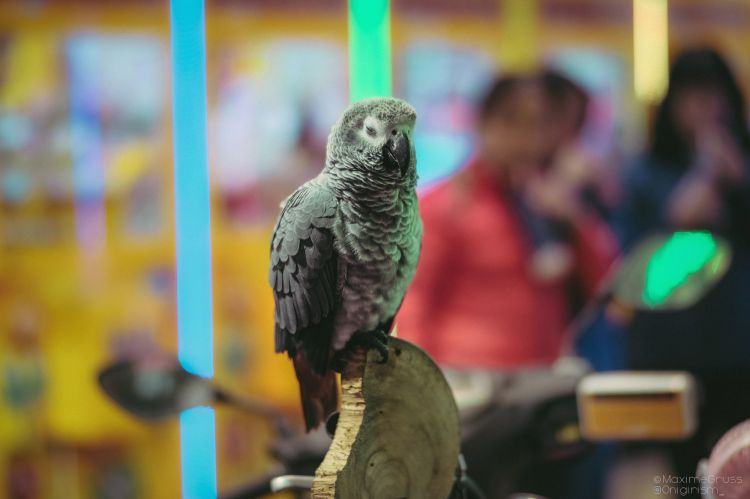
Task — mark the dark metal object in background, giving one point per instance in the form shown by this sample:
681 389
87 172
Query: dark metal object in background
160 389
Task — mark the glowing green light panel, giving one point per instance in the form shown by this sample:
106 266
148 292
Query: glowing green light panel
369 49
684 254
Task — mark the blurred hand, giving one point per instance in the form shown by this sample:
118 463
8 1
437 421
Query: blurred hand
576 165
718 156
553 195
695 203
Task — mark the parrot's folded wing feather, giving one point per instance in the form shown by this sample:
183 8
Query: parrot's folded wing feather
303 274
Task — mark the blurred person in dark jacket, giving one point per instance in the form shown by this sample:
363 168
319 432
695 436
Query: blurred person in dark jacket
695 176
481 298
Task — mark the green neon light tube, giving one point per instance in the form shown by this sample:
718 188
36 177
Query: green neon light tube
369 49
681 256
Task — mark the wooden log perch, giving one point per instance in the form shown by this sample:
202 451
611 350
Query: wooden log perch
398 430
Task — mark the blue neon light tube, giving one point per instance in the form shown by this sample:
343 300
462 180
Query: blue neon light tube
193 239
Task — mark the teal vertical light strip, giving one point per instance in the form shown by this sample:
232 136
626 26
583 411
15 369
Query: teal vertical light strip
193 239
369 48
192 211
197 449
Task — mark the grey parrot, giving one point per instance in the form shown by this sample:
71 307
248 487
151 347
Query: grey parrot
345 248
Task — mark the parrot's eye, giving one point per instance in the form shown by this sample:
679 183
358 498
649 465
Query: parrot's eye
370 131
394 132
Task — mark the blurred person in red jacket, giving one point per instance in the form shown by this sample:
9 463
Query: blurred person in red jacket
504 241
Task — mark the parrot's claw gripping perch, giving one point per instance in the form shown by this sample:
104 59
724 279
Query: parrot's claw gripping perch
377 340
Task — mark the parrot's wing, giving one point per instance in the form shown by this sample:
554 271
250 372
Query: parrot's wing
303 274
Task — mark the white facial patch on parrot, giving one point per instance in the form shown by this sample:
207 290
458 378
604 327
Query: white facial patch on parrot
373 131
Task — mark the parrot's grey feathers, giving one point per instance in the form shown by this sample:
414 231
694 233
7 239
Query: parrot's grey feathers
301 306
303 272
290 314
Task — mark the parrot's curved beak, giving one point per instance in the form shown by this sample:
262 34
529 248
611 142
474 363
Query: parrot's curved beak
397 153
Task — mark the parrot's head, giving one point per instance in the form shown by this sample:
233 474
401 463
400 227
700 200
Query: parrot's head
376 136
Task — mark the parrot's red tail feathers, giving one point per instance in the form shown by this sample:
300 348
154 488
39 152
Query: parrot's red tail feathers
319 393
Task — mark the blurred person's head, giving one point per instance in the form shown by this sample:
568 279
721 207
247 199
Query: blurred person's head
512 129
569 102
703 93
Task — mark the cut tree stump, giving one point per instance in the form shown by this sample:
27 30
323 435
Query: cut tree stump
398 430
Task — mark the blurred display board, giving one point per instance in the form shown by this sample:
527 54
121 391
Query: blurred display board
274 106
442 80
603 75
